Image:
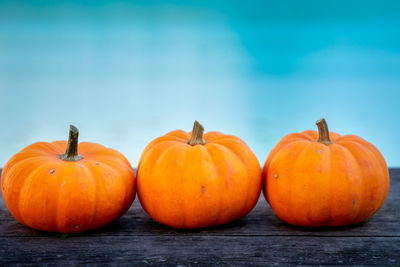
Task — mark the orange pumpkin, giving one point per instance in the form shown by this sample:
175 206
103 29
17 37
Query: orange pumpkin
49 190
187 180
325 179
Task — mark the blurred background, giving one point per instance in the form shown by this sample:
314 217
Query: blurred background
127 72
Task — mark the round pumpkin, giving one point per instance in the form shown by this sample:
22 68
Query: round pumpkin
190 180
324 179
49 190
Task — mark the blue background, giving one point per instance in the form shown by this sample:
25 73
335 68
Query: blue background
128 72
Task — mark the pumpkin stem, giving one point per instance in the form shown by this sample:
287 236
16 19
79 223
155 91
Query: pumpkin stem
323 132
197 135
71 154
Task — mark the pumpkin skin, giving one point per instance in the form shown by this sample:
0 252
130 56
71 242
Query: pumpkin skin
46 193
195 186
309 183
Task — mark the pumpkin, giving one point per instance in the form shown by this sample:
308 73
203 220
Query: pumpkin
49 190
195 180
324 179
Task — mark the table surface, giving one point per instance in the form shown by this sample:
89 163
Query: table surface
258 239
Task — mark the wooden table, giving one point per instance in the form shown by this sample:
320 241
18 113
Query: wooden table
259 239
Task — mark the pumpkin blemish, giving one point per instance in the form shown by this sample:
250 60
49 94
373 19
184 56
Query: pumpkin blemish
203 189
52 171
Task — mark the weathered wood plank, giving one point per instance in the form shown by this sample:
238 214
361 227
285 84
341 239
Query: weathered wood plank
202 250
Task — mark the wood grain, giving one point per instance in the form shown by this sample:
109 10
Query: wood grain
259 239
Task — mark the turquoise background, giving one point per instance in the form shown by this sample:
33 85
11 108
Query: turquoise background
127 72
